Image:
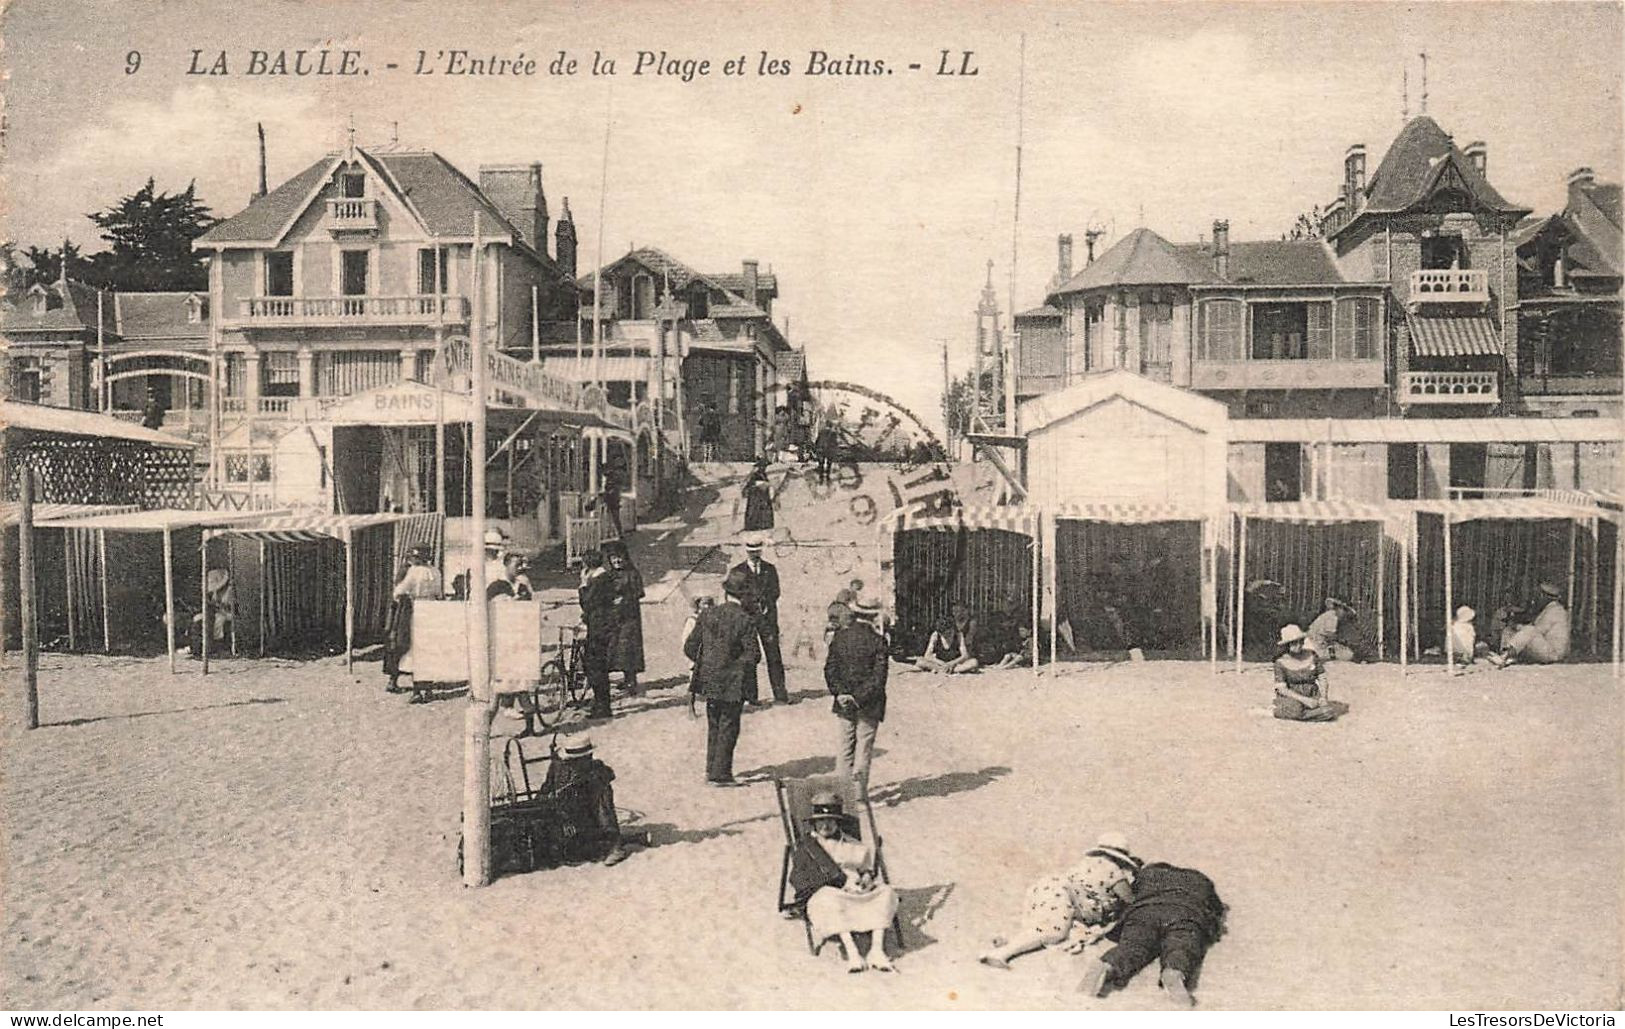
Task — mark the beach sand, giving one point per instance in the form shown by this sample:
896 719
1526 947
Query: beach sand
283 836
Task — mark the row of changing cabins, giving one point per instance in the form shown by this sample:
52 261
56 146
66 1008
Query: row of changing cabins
1166 543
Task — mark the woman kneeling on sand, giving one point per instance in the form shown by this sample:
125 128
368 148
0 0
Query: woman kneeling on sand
843 896
1091 893
1300 682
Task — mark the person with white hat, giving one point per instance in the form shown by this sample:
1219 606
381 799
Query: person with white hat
1464 635
836 879
496 550
1300 682
587 801
855 673
1090 894
1546 640
761 599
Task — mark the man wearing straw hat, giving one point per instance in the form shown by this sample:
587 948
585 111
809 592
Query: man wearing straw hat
855 672
762 601
581 783
724 651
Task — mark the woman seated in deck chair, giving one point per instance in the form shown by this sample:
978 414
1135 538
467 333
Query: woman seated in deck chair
835 881
1091 893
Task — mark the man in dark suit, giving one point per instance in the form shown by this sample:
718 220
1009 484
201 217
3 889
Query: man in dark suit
762 601
1175 914
724 651
600 610
855 672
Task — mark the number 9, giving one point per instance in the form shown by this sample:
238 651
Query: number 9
132 62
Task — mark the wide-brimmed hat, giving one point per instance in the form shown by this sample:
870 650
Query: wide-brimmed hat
1291 634
1114 847
579 746
865 607
217 579
1465 613
753 542
825 805
737 582
495 537
1549 588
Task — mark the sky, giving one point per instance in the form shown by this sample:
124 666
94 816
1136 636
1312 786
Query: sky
877 200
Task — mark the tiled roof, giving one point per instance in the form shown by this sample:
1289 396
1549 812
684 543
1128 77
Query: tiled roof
76 313
679 276
1275 262
265 217
736 308
1420 155
1140 258
1595 221
1606 196
1453 336
158 315
1042 311
734 282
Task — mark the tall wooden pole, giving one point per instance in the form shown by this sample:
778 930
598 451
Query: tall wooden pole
481 703
169 596
1405 598
107 622
206 626
1382 624
1241 590
73 621
349 601
29 610
1449 602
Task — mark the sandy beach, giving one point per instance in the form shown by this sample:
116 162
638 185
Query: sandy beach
283 835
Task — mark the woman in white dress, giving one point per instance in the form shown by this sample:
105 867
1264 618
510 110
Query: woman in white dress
420 581
859 902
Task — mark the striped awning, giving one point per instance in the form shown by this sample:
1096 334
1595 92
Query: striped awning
305 528
1315 511
1504 508
1458 336
1128 513
1010 519
60 512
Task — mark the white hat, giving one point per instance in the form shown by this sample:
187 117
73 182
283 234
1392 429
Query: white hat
753 541
1465 613
1114 846
1291 634
495 537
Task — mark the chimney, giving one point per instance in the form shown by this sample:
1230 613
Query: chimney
1221 249
750 280
516 190
1090 238
1580 179
261 127
1478 155
1063 246
565 241
1354 179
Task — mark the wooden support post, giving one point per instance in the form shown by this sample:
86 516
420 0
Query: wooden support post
169 596
1382 624
1241 590
264 592
1449 602
349 601
1591 594
206 626
1048 522
1619 595
1404 598
28 606
1037 555
67 581
1416 588
107 622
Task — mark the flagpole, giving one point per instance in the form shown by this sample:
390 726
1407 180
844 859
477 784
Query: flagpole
481 703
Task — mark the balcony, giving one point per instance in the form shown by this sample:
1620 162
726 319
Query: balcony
1449 286
1450 388
356 310
1288 374
352 214
278 408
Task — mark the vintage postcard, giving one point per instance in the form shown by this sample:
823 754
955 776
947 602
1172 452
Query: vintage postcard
928 505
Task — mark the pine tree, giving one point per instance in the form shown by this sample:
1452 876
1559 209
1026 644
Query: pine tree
150 238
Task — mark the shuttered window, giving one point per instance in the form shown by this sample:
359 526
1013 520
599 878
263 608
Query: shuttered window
1357 329
1219 331
340 373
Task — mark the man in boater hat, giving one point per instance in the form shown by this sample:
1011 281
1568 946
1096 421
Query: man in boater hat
762 601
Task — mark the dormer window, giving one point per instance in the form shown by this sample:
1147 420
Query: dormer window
353 185
194 309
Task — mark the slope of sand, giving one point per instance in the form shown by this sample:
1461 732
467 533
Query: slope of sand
283 836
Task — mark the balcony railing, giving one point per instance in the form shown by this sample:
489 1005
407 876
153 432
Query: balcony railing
1289 374
1450 388
352 214
1450 286
355 310
279 408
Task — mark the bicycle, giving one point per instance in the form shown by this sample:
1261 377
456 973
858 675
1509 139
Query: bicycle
561 683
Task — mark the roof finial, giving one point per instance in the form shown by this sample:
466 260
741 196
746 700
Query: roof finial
1424 56
62 275
349 153
990 273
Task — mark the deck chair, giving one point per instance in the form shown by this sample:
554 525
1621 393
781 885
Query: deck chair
795 804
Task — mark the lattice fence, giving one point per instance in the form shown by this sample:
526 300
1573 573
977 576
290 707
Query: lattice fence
75 470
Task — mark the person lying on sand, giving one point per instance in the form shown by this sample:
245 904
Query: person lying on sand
1090 894
1175 914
